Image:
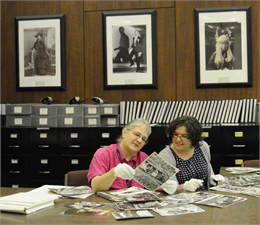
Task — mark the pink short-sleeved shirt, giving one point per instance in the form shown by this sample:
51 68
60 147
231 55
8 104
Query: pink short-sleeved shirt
106 158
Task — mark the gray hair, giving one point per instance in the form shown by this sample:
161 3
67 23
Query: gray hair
136 123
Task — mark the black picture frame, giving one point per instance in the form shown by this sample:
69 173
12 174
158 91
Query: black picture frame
40 53
223 47
133 65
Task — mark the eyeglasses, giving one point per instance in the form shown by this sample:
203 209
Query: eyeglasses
138 135
182 137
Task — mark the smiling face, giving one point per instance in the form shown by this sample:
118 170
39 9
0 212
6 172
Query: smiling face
133 140
180 139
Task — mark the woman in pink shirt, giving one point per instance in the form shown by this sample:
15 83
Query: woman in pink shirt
113 166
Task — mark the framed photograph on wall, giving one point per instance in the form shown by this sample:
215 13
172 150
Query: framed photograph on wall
40 53
130 49
223 47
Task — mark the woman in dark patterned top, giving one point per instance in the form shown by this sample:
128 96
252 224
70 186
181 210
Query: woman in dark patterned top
190 155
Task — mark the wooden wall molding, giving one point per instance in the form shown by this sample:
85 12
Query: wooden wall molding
84 51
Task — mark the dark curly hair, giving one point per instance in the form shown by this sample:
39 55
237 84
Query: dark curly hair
192 125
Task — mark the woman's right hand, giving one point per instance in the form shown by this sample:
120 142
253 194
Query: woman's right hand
124 171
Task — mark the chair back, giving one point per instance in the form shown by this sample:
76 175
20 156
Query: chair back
77 178
252 163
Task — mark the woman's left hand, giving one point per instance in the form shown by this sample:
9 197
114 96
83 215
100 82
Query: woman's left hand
215 179
170 186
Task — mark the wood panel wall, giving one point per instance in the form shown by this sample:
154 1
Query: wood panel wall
84 51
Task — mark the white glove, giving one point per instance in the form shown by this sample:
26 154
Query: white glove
192 184
124 171
170 186
215 179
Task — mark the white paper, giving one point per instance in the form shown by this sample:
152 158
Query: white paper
105 135
27 198
69 110
13 135
74 135
44 161
92 110
43 135
43 111
43 121
14 161
108 110
111 121
92 121
18 121
74 161
18 109
68 121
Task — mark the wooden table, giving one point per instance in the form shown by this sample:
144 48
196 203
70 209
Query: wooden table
246 212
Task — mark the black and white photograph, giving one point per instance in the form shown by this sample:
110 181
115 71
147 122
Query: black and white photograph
181 196
73 191
221 201
243 180
128 191
130 49
84 205
198 196
186 198
154 171
228 188
147 205
109 196
132 194
242 170
171 200
125 206
223 49
137 206
173 210
132 214
142 197
252 191
40 52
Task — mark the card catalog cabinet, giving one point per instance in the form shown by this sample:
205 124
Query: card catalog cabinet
15 170
15 140
32 157
44 140
239 143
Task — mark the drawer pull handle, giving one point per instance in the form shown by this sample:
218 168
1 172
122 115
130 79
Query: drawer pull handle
74 146
239 146
43 146
17 171
14 146
44 172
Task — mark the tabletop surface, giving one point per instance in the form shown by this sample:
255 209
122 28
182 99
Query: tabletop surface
246 212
